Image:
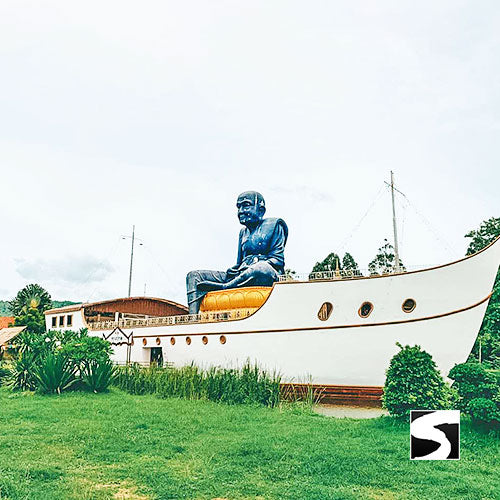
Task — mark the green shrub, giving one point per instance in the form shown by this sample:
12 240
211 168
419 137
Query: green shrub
54 374
4 373
413 382
478 391
21 376
58 360
472 381
98 375
484 410
82 349
35 343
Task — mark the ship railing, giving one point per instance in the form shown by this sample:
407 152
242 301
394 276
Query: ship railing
340 274
184 319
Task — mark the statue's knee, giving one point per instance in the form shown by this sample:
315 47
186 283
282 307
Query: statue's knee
262 270
192 276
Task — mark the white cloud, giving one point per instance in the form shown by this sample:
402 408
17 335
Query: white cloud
75 270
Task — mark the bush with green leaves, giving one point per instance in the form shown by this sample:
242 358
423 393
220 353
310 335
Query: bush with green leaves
4 372
83 349
21 375
38 344
484 410
478 390
97 375
413 382
59 360
472 381
54 374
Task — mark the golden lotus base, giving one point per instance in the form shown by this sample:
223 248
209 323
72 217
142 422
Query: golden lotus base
251 297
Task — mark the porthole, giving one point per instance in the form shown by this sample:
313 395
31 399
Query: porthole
172 340
366 309
409 305
204 339
144 341
188 340
158 341
325 310
222 339
132 342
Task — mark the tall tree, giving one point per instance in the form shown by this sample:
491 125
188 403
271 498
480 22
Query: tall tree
32 296
332 262
385 261
487 345
329 263
488 231
33 320
349 264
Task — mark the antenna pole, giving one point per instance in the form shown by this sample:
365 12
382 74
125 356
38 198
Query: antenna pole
394 226
131 261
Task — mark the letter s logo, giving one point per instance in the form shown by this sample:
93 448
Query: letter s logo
435 435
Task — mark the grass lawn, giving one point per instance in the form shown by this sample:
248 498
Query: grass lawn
83 446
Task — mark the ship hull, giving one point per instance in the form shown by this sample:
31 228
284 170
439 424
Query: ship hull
287 336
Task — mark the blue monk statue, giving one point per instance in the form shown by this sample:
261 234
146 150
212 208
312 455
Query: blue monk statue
260 254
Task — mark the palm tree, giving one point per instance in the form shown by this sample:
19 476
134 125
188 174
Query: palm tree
32 296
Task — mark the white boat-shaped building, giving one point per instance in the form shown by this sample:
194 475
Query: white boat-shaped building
338 331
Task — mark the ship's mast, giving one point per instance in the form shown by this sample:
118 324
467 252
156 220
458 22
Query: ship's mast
394 226
131 261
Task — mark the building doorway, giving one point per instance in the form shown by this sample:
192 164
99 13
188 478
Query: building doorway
157 356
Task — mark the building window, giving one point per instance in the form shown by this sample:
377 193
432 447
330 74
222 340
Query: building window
409 305
54 321
366 309
325 310
61 320
69 320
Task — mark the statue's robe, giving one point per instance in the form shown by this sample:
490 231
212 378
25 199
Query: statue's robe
260 261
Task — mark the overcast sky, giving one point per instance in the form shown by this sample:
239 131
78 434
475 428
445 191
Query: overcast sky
158 114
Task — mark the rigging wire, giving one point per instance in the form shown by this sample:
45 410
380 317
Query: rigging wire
111 254
98 267
363 217
446 245
157 262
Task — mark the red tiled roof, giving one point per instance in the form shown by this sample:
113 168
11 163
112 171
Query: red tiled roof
6 321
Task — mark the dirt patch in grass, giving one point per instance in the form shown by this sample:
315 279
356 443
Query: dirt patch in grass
124 491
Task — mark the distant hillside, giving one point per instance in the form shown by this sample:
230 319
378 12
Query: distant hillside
62 303
4 305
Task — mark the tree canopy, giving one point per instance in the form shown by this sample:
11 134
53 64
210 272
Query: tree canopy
32 296
332 262
488 231
488 340
385 261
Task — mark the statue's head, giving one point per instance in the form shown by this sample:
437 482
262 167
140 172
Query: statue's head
251 208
